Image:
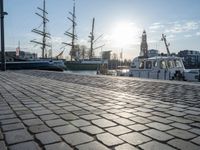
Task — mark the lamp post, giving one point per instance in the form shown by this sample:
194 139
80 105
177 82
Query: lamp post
2 13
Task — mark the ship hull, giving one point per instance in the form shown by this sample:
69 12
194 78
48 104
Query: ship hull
36 65
77 66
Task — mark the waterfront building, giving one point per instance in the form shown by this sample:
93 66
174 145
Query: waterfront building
22 55
191 58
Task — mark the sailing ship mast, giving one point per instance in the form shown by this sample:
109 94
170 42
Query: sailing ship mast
91 36
166 44
45 35
93 40
72 34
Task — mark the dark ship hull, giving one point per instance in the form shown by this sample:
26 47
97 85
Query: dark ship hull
36 65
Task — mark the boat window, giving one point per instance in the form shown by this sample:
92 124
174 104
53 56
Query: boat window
142 65
163 64
148 65
170 64
155 64
178 63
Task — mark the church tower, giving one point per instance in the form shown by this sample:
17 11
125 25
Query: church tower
144 46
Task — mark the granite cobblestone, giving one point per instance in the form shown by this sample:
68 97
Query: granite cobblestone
49 110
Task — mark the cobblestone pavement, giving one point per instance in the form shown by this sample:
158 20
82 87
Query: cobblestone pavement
170 91
85 113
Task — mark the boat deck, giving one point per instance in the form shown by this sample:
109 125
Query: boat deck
51 110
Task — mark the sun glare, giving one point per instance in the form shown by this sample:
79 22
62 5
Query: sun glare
124 34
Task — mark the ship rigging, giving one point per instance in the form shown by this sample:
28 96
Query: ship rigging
45 35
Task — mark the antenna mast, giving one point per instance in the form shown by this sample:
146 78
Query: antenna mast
72 34
166 44
43 32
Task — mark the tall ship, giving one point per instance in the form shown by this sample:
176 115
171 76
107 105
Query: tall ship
78 60
18 60
161 67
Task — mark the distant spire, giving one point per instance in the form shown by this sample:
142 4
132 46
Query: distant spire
144 46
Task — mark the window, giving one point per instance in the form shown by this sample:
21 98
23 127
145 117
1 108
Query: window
155 64
142 65
163 64
178 63
170 64
148 65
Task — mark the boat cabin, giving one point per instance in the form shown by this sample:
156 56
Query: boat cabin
164 68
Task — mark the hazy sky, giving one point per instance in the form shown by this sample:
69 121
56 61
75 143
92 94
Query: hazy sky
120 21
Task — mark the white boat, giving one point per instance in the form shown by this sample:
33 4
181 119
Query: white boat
161 67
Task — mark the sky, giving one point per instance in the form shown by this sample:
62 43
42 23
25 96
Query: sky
120 21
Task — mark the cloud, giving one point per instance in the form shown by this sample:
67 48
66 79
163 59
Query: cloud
181 27
188 35
198 33
156 26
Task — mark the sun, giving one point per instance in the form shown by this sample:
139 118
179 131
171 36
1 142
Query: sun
124 34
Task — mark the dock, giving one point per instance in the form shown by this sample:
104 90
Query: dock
41 110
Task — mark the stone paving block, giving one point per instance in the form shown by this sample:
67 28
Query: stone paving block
158 135
81 112
90 117
66 129
49 117
3 145
27 116
48 137
183 145
110 116
160 119
141 120
13 137
181 134
153 145
195 130
181 126
10 121
80 123
125 147
196 140
160 114
11 127
103 123
142 114
138 127
123 121
125 114
193 117
77 138
33 122
179 119
92 129
159 126
25 146
69 117
38 129
135 138
118 130
43 112
9 116
92 146
108 139
56 122
58 146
